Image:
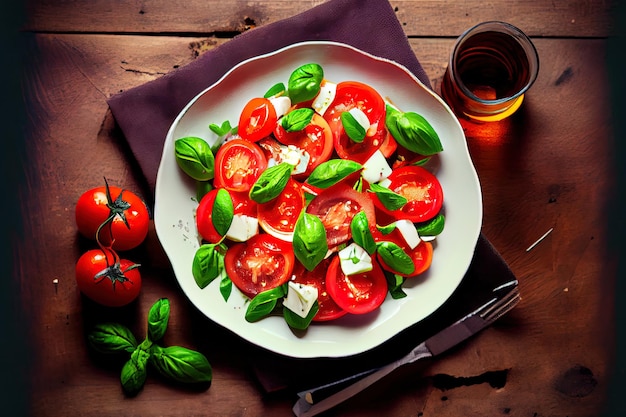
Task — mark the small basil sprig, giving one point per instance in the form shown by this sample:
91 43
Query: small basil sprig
181 364
433 227
158 318
222 212
112 338
298 322
195 158
271 183
309 240
394 256
304 82
275 90
264 303
394 284
391 200
353 129
296 120
412 131
134 372
208 263
361 233
331 172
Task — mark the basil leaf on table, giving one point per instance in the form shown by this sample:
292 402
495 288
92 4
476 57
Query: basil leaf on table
208 263
394 256
296 120
181 364
134 372
412 131
195 158
361 233
298 322
331 172
158 317
391 200
264 303
112 338
309 240
223 212
433 227
304 82
271 183
353 129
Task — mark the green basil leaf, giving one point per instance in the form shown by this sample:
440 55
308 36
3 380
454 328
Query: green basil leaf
226 287
202 188
298 322
271 183
385 230
309 240
391 200
413 132
275 90
394 284
433 227
195 158
264 303
224 129
208 264
223 211
394 256
361 233
181 364
158 317
296 120
353 129
304 82
111 338
134 372
330 172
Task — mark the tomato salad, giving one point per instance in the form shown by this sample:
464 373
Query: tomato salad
317 204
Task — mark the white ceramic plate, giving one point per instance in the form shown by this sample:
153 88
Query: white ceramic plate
175 201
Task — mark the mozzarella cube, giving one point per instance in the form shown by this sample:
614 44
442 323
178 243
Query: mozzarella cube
354 260
242 228
295 156
325 97
376 168
409 232
300 298
281 104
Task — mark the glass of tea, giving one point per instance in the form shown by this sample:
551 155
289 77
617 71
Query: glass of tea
492 66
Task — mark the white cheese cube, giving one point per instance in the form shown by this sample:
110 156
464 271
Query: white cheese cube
325 97
300 298
281 104
242 228
295 156
354 260
409 232
376 168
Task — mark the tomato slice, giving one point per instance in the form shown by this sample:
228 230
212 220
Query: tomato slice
238 164
349 95
422 190
316 139
278 217
358 293
204 213
257 119
262 263
336 206
328 309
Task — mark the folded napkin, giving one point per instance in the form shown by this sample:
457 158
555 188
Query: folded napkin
145 114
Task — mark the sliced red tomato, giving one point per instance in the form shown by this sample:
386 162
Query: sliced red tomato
316 139
238 164
257 119
349 95
421 255
262 263
278 217
336 206
422 190
358 293
328 309
204 214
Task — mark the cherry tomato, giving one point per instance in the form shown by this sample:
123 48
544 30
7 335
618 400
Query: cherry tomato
262 263
94 207
257 119
422 190
421 255
204 214
358 293
238 164
328 309
349 95
107 280
336 206
316 139
278 217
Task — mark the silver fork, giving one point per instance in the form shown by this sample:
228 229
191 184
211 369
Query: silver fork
314 401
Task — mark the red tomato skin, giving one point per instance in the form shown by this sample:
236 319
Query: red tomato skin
263 258
373 281
92 210
204 213
328 309
102 290
257 119
403 180
278 217
246 160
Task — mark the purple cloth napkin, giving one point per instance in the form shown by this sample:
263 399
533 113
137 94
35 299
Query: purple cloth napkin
146 112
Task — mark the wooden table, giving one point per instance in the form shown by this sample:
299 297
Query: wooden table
547 167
